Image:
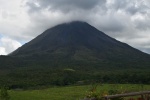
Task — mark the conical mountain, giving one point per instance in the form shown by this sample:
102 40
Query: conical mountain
79 42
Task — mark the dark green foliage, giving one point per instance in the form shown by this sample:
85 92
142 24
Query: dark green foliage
4 94
35 77
25 73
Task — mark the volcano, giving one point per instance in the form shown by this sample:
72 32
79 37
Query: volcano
79 43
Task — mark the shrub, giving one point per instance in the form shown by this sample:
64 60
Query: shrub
4 94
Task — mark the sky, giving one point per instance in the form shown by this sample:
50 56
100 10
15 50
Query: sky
125 20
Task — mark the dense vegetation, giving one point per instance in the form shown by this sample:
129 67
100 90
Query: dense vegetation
64 77
17 73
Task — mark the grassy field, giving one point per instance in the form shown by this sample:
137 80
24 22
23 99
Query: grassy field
71 92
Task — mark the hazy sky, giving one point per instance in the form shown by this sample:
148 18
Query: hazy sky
125 20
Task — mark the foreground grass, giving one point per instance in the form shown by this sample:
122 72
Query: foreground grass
71 92
55 93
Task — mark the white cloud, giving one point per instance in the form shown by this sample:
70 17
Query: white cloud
8 45
13 19
2 51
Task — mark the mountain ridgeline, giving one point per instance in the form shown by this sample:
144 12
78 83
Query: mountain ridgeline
73 53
